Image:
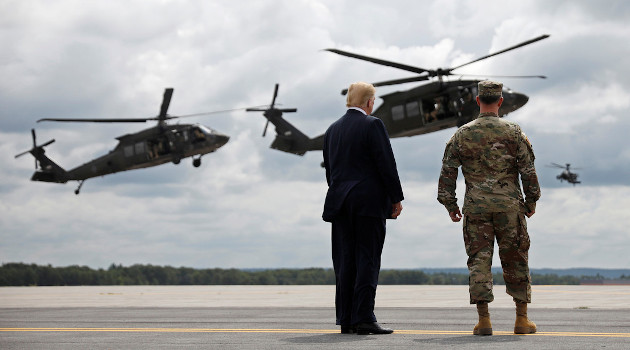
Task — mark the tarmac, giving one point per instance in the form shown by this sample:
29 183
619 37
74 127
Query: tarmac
301 317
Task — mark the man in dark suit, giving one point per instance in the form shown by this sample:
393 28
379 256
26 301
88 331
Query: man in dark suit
363 191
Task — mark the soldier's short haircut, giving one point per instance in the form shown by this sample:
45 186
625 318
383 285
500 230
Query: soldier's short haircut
488 100
359 94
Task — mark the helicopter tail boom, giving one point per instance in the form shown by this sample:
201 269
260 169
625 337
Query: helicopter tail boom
297 143
46 170
288 138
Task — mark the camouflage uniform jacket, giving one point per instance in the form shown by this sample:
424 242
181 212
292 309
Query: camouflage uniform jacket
492 153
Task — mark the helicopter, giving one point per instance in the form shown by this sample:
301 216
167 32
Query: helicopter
427 108
567 175
150 147
288 138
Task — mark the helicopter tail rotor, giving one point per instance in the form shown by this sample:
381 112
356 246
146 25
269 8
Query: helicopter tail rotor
36 150
271 111
45 169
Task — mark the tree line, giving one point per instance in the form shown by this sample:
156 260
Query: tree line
20 274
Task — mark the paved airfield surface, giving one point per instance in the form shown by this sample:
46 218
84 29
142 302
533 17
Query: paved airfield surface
301 317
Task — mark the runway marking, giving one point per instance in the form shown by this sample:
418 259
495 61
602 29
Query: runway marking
171 330
303 331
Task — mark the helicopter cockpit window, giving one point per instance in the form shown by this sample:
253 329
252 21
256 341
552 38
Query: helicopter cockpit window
413 109
198 134
398 112
139 147
128 150
206 130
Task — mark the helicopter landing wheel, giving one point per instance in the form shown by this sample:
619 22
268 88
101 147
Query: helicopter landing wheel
176 160
79 188
197 162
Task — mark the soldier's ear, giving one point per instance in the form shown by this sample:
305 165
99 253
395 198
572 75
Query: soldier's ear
500 101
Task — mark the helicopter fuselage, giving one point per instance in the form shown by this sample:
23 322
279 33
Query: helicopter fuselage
421 110
436 106
160 144
569 177
147 148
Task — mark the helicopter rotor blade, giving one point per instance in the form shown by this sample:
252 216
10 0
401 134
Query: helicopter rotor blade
503 51
401 81
265 129
47 143
23 153
380 61
256 108
275 94
502 76
34 146
394 82
166 101
143 120
271 111
557 165
93 120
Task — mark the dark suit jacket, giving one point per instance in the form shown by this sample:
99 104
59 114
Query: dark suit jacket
360 167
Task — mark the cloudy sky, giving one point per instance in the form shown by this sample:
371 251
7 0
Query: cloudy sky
251 206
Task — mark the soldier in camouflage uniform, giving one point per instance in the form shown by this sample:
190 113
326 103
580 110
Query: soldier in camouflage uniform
493 152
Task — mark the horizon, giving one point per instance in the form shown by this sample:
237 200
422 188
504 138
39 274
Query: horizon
494 268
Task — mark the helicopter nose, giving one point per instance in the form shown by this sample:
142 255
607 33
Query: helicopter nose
519 100
512 101
221 139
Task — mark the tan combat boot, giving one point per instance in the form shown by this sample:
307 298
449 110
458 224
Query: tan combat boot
523 325
483 327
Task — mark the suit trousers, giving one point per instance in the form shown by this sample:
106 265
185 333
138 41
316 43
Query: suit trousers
357 244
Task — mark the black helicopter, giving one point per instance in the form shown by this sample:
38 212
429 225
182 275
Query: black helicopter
566 175
426 108
288 137
157 145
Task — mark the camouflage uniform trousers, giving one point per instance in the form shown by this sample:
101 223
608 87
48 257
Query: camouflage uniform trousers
510 230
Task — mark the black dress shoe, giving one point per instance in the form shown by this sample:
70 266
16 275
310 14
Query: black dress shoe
372 328
348 329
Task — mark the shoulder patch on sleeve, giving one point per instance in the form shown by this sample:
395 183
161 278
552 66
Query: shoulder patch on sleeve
528 144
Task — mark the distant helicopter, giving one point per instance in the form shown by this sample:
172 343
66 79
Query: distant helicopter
566 175
157 145
426 108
